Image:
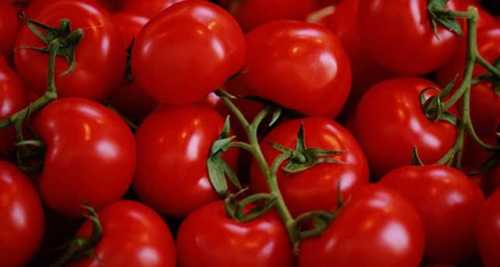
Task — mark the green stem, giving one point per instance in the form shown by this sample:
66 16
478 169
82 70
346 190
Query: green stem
487 65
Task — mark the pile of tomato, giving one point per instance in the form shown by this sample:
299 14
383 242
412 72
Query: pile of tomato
250 133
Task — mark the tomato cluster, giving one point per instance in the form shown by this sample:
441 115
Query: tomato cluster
249 133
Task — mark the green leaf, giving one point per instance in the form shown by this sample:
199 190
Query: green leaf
440 15
216 174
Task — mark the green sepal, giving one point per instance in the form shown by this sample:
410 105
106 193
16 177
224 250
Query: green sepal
236 209
440 15
275 116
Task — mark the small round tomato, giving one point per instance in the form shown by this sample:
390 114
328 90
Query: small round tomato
9 25
90 155
488 231
225 242
100 54
22 223
376 228
299 65
393 29
390 122
12 99
187 51
173 145
315 188
448 203
133 235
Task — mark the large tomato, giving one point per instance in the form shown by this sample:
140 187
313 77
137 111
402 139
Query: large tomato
187 51
133 235
173 145
299 65
225 242
315 188
391 29
8 27
22 223
100 55
448 203
488 231
390 122
90 155
376 228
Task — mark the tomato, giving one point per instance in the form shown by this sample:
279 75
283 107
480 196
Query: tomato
376 228
391 29
173 145
90 155
12 99
488 231
187 51
390 122
100 55
9 25
225 242
129 25
299 65
133 235
253 13
315 188
148 8
22 223
448 203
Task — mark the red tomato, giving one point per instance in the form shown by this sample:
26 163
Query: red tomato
390 122
488 231
187 51
173 145
133 236
376 228
100 55
395 30
90 155
148 8
12 99
9 25
129 25
301 66
315 188
253 13
22 223
225 242
448 203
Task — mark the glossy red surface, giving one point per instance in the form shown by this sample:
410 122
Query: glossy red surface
8 27
488 231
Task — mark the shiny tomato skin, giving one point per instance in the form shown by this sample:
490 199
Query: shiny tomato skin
187 51
376 228
393 30
100 55
89 158
389 122
128 25
448 203
299 65
315 188
173 145
488 231
12 99
9 25
133 236
225 242
22 223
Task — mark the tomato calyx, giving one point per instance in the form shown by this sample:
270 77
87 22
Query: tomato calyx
250 207
302 158
433 106
440 15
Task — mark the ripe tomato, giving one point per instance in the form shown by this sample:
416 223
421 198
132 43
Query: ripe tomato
448 203
90 155
187 51
376 228
390 122
315 188
22 223
173 145
9 25
133 236
129 25
225 242
488 231
253 13
12 99
147 9
392 28
100 55
299 65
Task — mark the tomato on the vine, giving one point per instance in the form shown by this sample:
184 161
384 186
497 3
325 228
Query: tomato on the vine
376 228
89 155
9 25
314 188
225 242
488 231
22 223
